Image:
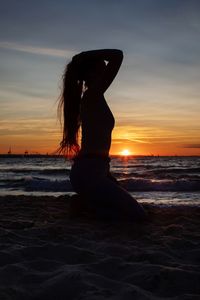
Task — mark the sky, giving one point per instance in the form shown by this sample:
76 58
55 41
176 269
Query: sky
155 96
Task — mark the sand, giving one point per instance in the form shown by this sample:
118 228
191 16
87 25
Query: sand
46 252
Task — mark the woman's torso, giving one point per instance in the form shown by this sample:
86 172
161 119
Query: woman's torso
97 124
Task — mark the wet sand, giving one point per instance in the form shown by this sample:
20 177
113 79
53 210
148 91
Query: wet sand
48 252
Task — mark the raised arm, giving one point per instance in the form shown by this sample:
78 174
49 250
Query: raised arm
113 57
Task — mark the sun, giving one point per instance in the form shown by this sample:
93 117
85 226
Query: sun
125 152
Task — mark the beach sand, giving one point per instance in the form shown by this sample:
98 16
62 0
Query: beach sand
46 252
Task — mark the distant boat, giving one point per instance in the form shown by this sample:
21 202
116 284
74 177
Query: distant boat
26 152
9 151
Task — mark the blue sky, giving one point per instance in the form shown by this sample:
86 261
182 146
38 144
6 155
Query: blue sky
155 97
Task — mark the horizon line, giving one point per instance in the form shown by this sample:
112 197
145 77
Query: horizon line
125 156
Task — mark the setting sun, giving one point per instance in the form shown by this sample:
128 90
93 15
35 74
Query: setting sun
125 152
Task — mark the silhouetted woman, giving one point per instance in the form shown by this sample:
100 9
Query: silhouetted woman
84 108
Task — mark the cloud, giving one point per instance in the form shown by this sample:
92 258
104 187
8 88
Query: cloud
119 141
37 50
197 146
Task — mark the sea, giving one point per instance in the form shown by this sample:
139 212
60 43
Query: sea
151 179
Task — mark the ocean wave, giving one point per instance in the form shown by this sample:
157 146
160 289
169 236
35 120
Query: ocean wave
42 171
175 170
48 185
152 176
143 185
30 183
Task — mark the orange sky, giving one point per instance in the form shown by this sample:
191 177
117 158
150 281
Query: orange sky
42 136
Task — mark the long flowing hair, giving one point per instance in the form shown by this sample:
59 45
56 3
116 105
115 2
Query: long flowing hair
69 110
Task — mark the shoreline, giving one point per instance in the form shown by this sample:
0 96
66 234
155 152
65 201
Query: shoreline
48 253
144 198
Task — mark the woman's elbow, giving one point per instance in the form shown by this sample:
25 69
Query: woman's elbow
119 53
120 56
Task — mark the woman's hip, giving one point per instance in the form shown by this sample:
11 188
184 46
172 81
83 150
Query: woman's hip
86 172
